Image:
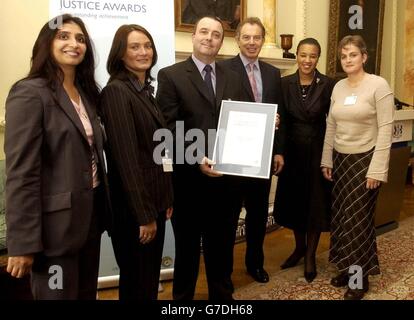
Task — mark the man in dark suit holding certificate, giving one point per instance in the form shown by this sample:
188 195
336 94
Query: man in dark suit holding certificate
261 83
189 95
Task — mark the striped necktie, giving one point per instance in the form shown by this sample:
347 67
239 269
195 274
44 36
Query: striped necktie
252 81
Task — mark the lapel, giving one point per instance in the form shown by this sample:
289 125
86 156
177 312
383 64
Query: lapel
149 103
266 76
95 122
304 108
197 80
220 85
240 69
297 105
64 102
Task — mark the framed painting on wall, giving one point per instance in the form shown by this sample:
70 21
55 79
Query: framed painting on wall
230 12
343 21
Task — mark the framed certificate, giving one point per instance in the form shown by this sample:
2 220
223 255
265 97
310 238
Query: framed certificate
244 140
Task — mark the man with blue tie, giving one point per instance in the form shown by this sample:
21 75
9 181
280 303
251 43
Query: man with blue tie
190 94
261 83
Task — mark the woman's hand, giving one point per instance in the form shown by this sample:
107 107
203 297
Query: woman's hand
277 121
372 183
19 266
278 164
147 232
327 173
169 213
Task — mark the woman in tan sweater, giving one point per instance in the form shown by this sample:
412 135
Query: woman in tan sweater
355 156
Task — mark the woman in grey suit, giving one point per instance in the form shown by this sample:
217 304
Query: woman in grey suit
141 188
56 184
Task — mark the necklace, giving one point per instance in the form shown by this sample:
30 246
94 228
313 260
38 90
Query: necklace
304 89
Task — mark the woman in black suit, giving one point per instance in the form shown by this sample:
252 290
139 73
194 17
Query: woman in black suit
55 186
141 190
303 196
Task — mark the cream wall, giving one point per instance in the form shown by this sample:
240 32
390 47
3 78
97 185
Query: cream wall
388 52
408 94
392 55
20 22
317 22
399 71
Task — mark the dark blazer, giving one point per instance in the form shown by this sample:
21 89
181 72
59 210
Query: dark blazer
304 132
49 194
139 186
271 82
304 121
182 95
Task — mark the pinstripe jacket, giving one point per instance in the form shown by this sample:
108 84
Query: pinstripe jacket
139 186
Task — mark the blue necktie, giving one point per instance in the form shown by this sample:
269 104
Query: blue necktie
209 83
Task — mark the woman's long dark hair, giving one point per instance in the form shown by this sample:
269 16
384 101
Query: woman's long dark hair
43 64
115 65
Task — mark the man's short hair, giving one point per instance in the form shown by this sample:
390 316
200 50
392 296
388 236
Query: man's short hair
251 20
210 17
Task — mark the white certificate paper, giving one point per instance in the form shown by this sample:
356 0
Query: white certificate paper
245 132
245 139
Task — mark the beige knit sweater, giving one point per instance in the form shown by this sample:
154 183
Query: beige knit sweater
357 128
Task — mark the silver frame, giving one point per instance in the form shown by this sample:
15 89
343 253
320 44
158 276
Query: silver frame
263 171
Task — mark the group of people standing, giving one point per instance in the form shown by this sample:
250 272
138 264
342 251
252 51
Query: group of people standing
331 151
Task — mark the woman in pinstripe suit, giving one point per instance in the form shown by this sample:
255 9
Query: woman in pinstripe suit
141 190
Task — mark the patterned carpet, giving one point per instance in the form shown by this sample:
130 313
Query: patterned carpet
396 281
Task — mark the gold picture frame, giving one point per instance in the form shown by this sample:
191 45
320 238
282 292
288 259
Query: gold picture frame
230 12
372 31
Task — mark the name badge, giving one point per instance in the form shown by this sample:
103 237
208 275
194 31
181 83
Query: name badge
350 101
167 164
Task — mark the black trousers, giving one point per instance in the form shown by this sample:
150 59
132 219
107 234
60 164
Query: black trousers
139 264
204 210
253 193
74 276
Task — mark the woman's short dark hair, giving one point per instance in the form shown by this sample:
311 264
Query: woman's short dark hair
309 41
115 65
355 40
44 65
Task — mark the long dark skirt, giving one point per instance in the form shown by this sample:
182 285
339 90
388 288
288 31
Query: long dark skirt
353 207
303 195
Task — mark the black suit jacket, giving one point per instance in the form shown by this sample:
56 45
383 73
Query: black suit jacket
271 82
49 194
303 195
182 96
139 186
